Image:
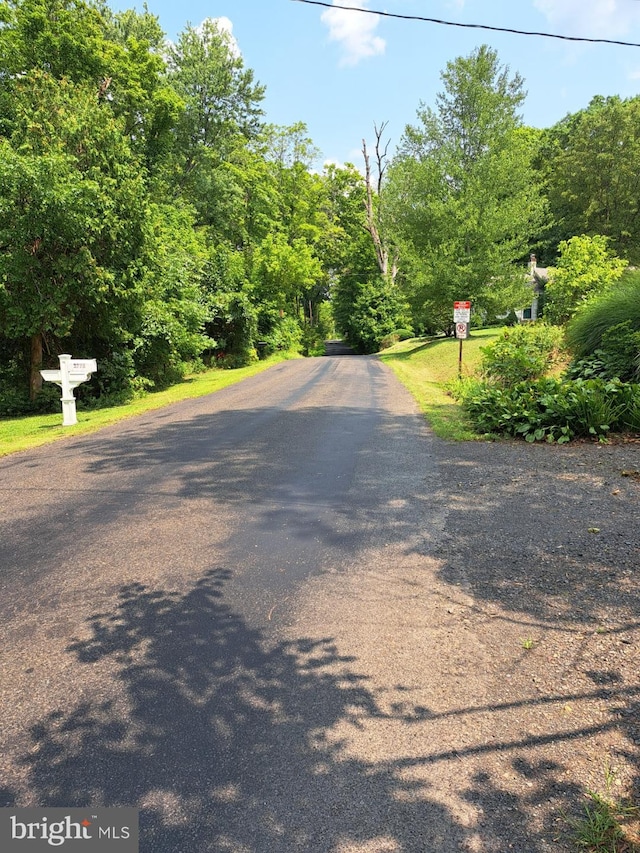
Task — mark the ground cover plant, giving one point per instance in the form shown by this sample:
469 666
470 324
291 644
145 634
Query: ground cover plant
554 409
608 824
519 392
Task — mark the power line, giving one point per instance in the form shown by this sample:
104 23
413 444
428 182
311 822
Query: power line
467 26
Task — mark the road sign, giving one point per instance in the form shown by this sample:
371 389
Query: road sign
461 312
462 331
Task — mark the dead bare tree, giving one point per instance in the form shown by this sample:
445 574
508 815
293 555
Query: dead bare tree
386 256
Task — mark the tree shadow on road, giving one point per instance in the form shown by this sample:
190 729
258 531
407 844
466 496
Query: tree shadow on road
222 740
229 741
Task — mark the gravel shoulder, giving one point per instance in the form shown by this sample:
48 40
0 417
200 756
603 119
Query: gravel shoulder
502 656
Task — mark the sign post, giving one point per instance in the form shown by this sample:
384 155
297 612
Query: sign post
462 319
72 372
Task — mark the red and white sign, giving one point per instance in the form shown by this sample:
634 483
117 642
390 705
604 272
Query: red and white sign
461 312
462 331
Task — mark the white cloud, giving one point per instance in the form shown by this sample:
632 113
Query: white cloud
591 18
355 31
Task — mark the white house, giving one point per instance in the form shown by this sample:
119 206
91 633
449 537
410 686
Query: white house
536 279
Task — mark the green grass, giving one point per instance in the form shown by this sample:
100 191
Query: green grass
27 432
607 826
425 366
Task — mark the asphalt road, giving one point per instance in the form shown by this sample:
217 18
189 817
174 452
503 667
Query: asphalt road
152 592
286 619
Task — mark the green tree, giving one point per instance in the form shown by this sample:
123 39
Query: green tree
367 304
222 114
589 164
368 311
119 56
72 205
283 274
169 333
463 194
287 268
586 266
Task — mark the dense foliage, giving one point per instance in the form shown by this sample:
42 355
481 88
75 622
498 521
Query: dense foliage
463 197
152 218
554 409
585 268
609 322
149 217
521 354
517 397
588 162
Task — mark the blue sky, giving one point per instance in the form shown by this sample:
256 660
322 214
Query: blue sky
340 71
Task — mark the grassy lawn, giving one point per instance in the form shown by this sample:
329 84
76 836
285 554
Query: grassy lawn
26 432
426 365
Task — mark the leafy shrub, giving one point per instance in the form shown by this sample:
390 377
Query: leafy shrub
396 337
285 334
617 357
232 328
553 409
15 402
404 334
619 304
368 312
520 354
586 266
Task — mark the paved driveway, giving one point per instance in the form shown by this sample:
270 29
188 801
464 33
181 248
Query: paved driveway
286 618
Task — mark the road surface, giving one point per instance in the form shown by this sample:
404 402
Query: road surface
285 619
153 575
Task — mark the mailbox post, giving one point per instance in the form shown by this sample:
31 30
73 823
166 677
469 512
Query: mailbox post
73 371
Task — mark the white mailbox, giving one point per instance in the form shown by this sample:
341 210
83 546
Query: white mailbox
72 372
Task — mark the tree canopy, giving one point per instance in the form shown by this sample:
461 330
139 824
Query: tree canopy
465 197
151 216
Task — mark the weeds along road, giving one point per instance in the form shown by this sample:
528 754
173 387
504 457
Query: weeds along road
285 618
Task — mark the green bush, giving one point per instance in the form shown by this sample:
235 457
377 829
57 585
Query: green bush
617 357
286 333
619 304
14 401
521 354
553 409
368 312
396 337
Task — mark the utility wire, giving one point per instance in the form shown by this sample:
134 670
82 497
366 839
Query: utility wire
466 26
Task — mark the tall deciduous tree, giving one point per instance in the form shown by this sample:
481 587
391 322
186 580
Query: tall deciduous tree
464 195
366 304
590 164
222 113
71 213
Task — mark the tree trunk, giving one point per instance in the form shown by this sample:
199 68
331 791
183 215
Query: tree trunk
379 244
35 379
